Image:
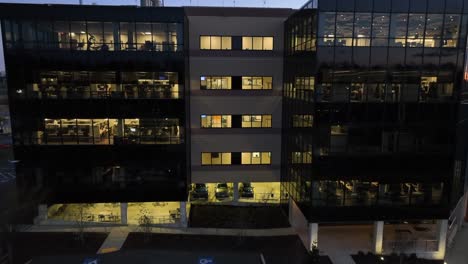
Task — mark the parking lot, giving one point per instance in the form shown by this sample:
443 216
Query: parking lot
7 175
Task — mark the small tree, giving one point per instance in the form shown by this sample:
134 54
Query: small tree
315 253
146 224
80 223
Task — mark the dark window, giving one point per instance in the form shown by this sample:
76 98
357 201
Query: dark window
327 5
400 5
382 6
435 6
345 5
454 5
419 6
364 5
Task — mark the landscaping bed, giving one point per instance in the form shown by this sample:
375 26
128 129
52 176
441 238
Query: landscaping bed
245 217
27 245
393 259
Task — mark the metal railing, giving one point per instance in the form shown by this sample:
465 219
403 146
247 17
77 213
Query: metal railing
113 140
410 246
85 93
95 218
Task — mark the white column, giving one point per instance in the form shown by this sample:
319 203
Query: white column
123 213
313 235
183 214
442 227
377 237
235 187
42 212
290 211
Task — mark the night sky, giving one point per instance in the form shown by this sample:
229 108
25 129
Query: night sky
249 3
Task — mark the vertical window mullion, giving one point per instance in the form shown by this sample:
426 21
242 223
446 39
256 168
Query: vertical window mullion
108 131
92 131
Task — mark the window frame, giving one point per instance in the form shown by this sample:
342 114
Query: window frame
262 45
251 78
228 78
222 37
220 157
260 156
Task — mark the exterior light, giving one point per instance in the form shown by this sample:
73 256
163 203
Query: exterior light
82 32
382 258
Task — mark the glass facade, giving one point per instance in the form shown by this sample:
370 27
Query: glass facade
369 112
92 121
102 84
93 35
413 30
106 131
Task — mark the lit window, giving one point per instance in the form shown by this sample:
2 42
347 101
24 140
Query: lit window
257 83
257 43
256 121
226 43
215 121
254 158
205 42
268 43
215 42
247 43
216 82
216 158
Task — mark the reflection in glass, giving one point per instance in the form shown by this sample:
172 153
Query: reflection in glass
451 30
344 29
398 27
416 30
110 131
433 30
326 30
362 28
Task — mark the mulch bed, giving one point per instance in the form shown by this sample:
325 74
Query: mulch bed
276 250
225 216
27 245
372 259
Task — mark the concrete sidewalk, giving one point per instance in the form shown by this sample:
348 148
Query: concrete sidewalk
458 253
166 230
114 240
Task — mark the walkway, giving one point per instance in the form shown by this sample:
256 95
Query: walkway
114 240
166 230
458 253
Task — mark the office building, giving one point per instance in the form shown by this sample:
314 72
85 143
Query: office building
345 111
97 106
370 114
236 76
